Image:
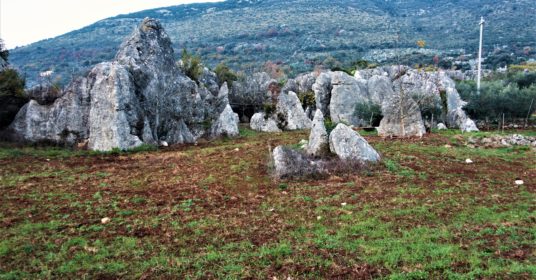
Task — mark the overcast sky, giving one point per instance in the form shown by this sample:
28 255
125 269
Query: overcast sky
26 21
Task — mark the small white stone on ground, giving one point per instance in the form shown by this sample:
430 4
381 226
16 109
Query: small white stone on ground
519 182
105 220
468 161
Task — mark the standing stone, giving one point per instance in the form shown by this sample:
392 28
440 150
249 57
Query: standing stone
289 107
347 144
401 118
114 107
379 87
318 138
227 123
347 92
322 90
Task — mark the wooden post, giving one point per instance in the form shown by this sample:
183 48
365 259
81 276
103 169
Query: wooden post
528 114
502 124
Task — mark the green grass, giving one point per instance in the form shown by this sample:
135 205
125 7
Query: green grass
200 212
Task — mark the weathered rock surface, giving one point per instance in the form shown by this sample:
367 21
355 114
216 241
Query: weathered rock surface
318 138
322 89
401 117
346 93
261 123
65 121
441 126
290 108
140 97
349 145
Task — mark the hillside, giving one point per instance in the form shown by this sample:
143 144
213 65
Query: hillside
297 33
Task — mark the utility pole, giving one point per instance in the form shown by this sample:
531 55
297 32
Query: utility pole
480 55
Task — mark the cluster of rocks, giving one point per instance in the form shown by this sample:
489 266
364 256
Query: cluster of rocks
324 153
288 115
500 141
403 93
140 97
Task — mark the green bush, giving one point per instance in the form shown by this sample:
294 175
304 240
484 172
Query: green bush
307 99
11 84
225 74
193 68
369 112
508 96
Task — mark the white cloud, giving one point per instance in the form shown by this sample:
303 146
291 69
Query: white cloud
26 21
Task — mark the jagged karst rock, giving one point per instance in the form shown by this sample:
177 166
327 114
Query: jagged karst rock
379 87
305 82
227 123
290 108
401 117
248 94
260 122
290 85
346 93
318 138
140 97
349 145
65 121
322 89
115 110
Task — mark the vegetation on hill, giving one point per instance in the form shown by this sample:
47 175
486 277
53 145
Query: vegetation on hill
300 35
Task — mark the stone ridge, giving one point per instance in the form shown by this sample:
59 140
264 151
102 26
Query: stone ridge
141 97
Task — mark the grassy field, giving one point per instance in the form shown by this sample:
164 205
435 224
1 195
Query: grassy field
213 211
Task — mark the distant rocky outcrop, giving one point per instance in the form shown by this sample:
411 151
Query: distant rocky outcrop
288 115
140 97
401 92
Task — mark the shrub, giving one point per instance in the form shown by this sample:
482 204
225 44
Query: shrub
368 112
225 74
11 84
192 65
307 99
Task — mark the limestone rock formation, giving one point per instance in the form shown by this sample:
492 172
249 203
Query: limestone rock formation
322 90
140 97
290 108
441 126
65 121
401 117
260 122
318 138
349 145
346 93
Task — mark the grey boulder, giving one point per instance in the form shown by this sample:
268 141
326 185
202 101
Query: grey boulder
290 108
347 144
260 122
318 138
